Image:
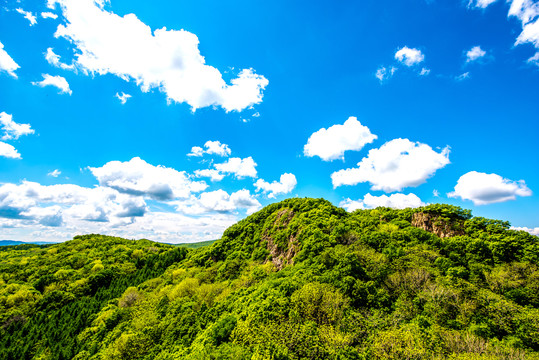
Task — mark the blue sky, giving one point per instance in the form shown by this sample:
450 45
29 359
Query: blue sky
171 120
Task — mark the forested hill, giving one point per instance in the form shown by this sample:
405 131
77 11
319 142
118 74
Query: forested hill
300 279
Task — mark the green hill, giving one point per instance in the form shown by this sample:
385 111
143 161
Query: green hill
300 279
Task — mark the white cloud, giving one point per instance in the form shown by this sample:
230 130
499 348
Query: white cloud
397 164
48 15
239 167
219 201
529 34
24 201
482 4
196 151
330 144
28 15
123 98
534 59
409 57
533 231
524 10
213 174
7 64
56 81
54 59
118 207
462 77
527 11
475 53
395 201
285 185
384 74
49 216
137 177
482 188
424 72
215 147
54 173
212 148
12 130
8 151
168 60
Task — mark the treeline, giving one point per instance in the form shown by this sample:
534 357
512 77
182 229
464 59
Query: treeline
300 279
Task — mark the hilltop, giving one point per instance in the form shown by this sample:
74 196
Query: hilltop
300 279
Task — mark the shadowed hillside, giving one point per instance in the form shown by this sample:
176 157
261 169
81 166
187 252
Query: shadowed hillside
300 279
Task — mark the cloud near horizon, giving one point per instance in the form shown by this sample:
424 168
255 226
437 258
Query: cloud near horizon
129 193
395 201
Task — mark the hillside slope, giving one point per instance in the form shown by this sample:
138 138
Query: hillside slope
300 279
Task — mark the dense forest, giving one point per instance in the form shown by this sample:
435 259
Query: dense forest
300 279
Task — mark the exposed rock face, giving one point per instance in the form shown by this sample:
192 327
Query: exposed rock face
438 225
279 257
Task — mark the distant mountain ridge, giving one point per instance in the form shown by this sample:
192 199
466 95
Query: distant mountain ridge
16 242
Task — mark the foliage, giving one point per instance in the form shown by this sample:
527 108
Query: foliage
300 279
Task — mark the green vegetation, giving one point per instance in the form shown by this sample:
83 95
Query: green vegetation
300 279
197 245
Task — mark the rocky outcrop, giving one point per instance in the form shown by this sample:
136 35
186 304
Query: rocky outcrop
442 227
282 257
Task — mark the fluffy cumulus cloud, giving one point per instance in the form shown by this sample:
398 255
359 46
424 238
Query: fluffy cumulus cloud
118 205
330 144
28 16
533 231
213 174
7 64
482 188
475 53
211 148
239 167
221 202
11 129
9 151
137 177
27 201
409 56
57 81
168 60
395 201
395 165
285 185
